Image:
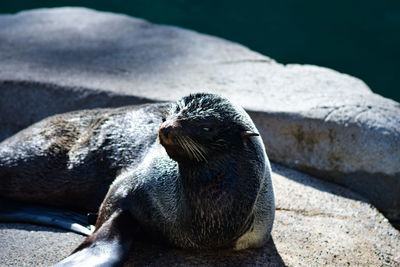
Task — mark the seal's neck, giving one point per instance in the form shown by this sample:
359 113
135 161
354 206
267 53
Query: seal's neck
217 203
208 183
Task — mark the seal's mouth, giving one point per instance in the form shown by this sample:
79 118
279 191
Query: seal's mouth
178 144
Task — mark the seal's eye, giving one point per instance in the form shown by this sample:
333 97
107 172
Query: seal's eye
207 129
163 119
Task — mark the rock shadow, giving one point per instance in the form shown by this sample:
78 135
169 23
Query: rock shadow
365 183
23 103
317 183
143 254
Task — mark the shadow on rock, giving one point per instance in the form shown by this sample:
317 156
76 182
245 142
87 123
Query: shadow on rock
364 184
37 101
154 255
317 183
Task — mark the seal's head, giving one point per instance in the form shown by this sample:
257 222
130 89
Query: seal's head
201 127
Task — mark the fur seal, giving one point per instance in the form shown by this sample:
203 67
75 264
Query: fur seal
192 174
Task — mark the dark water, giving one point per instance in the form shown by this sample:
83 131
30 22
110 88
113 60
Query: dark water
361 38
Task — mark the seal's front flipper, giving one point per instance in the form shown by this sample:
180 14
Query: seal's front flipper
107 246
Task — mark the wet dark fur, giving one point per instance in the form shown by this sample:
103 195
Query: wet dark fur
212 187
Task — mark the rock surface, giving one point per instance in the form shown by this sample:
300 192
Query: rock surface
344 230
311 118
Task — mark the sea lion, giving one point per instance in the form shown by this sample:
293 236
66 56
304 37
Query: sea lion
192 174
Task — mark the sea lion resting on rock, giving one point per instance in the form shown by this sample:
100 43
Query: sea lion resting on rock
201 180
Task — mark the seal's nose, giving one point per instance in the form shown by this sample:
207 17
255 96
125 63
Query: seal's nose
167 132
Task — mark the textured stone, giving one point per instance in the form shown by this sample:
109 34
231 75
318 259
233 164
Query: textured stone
317 224
311 118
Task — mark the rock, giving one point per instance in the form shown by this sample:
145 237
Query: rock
317 223
32 245
321 224
311 118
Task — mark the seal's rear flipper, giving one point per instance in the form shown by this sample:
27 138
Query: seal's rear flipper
13 211
107 246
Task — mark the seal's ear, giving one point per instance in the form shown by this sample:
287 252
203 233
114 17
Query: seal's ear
246 135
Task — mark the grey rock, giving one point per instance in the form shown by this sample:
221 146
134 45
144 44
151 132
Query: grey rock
322 224
311 118
317 224
32 245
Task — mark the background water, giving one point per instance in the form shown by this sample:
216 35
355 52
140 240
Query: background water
361 38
